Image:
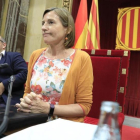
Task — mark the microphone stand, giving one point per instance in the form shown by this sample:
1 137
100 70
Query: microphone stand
3 126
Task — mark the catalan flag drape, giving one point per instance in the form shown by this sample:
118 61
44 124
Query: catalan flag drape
81 25
93 35
128 29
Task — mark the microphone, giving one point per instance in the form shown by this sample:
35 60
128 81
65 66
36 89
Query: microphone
5 65
3 126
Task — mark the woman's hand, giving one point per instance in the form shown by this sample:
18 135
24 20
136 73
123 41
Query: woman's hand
33 103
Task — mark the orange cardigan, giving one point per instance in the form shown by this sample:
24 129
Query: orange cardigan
78 85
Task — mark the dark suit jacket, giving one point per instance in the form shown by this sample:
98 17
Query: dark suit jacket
18 68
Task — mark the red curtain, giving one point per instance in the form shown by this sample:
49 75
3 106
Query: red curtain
132 101
108 11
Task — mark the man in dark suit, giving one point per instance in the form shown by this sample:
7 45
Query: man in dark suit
18 68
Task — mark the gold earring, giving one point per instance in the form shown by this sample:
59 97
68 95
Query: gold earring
66 38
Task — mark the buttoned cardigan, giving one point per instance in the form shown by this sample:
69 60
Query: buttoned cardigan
78 86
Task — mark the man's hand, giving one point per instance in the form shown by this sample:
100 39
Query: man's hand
1 88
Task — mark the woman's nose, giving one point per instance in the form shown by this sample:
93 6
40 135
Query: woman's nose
44 27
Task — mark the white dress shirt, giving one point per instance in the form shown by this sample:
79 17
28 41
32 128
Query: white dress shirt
2 54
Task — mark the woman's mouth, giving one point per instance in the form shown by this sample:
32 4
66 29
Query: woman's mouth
46 34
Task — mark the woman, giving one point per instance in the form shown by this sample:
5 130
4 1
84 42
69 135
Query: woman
60 79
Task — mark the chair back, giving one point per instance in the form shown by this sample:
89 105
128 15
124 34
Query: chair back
110 70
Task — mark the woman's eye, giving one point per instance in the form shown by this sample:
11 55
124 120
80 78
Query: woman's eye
43 22
50 22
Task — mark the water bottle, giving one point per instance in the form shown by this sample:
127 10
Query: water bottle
108 128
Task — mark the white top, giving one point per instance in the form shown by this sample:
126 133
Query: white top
48 77
59 129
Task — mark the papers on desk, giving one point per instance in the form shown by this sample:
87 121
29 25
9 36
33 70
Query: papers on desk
59 129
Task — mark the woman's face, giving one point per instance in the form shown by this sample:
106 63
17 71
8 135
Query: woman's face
52 29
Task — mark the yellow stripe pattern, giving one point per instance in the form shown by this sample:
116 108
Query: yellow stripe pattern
82 38
92 31
135 28
127 29
127 12
92 27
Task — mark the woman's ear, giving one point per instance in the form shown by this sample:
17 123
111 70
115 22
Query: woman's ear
69 29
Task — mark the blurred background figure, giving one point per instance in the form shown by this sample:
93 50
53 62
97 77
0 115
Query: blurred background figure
16 67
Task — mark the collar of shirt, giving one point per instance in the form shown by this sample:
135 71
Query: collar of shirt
2 54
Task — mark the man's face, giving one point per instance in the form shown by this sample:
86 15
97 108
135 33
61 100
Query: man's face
2 45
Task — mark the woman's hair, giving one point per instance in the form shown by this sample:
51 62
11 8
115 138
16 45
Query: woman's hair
67 21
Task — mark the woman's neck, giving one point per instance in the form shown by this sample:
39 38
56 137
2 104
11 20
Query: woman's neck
55 51
58 53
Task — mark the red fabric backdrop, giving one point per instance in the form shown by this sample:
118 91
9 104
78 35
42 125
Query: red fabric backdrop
132 101
108 10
